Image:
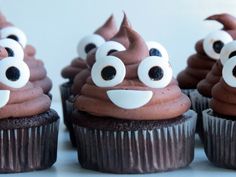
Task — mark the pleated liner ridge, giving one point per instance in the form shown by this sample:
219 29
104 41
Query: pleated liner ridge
220 140
30 145
65 90
141 151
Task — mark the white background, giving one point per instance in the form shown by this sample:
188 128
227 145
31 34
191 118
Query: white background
54 27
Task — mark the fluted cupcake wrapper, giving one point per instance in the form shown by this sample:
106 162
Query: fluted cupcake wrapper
199 104
65 90
187 91
141 151
70 109
220 140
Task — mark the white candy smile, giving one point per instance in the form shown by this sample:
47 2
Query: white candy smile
129 99
4 97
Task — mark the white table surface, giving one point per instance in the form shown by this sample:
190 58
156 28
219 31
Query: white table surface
67 163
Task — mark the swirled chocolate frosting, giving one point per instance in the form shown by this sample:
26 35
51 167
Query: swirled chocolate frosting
26 101
107 31
199 64
166 103
223 99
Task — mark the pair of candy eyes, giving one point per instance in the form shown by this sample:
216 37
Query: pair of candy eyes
153 71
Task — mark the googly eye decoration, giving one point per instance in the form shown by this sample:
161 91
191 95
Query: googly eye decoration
108 72
214 42
227 52
229 72
88 43
108 48
155 72
15 34
156 49
13 48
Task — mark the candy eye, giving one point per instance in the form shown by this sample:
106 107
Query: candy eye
13 48
108 48
15 34
88 43
227 52
108 72
155 72
156 49
229 72
214 42
14 73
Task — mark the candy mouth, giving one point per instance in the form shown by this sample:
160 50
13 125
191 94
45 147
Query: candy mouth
4 97
129 99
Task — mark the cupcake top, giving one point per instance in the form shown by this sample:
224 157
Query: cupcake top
38 74
86 45
223 99
19 98
132 84
204 86
208 52
119 38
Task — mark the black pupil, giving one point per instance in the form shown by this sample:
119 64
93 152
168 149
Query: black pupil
89 47
108 73
13 73
13 37
9 52
155 52
232 54
217 46
111 51
156 73
234 71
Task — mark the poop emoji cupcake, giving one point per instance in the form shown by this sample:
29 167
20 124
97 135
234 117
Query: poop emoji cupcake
86 45
38 73
131 115
207 53
28 127
219 121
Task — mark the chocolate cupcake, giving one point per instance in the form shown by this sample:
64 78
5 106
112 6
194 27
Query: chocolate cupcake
28 127
38 73
219 121
131 115
85 46
208 52
203 96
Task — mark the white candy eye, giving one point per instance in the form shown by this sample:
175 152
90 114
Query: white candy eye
108 48
229 72
13 48
15 34
156 49
155 72
14 73
214 42
88 43
108 72
227 52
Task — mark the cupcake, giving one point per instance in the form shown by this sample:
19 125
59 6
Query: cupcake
28 127
38 73
203 96
86 45
219 120
207 53
131 115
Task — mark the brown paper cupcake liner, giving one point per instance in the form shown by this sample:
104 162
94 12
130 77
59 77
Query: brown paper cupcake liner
28 144
220 139
65 90
199 104
70 109
167 146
